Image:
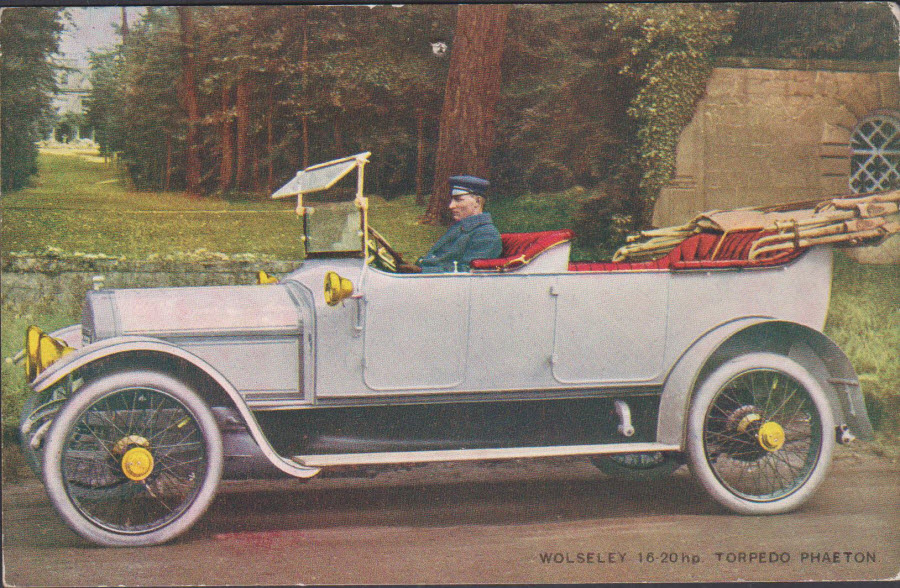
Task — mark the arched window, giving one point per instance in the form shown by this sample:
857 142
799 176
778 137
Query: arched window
875 153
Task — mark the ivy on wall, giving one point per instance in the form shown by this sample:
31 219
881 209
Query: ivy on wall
673 46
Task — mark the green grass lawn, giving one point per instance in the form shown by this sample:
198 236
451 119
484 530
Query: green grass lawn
80 205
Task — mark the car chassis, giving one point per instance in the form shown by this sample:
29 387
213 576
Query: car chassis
138 411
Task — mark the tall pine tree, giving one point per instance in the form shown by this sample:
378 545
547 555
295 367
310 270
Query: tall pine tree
29 36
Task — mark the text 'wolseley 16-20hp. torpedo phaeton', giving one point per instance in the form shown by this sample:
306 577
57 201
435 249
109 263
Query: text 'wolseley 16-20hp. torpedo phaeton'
698 344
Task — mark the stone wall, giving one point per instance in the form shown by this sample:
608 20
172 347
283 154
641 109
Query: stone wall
33 280
773 133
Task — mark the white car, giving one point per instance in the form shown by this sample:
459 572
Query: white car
700 357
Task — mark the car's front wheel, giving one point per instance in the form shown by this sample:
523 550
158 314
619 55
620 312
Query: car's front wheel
133 458
760 434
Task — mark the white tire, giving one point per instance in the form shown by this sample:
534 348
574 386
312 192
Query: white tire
760 434
132 459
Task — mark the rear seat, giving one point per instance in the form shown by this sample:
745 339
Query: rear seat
696 252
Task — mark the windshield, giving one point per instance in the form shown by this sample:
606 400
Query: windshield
332 227
332 205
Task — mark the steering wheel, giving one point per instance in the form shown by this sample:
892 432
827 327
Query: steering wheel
381 253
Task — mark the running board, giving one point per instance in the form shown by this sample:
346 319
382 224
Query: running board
396 457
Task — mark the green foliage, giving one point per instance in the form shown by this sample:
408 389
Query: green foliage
153 121
673 46
15 320
357 77
104 104
29 36
862 31
563 118
82 205
864 320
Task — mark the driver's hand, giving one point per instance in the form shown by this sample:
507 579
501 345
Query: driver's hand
408 268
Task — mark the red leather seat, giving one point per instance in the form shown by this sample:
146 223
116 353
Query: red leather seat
520 248
696 252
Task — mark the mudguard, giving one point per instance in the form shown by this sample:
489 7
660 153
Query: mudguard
126 344
808 347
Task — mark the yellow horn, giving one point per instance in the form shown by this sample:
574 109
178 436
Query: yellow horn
336 288
32 337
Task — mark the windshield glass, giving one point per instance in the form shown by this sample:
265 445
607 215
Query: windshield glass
333 227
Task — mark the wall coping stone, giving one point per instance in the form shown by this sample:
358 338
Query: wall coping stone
51 264
839 65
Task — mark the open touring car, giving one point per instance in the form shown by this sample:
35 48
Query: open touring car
710 353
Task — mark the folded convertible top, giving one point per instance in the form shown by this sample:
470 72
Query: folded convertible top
848 222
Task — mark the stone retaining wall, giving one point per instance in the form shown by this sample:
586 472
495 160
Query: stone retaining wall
772 132
36 280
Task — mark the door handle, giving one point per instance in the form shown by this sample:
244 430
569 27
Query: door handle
360 301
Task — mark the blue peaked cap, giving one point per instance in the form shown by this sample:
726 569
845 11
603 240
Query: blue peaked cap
470 184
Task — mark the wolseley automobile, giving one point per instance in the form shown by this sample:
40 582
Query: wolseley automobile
710 353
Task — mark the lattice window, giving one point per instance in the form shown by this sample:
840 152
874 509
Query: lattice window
875 154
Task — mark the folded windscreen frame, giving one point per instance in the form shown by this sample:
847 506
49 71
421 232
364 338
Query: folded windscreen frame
332 208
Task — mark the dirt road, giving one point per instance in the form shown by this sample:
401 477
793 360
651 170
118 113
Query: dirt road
540 521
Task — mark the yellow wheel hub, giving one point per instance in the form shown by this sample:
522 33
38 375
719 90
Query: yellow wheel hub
137 463
771 436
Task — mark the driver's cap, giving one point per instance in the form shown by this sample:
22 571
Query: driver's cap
468 185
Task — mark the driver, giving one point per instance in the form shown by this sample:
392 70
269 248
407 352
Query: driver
471 236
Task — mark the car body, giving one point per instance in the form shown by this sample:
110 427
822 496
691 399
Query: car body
344 363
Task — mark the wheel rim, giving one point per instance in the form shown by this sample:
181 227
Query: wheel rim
762 435
134 461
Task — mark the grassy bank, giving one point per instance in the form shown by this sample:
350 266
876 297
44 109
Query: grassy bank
864 320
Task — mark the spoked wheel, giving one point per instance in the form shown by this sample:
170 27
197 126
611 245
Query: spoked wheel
760 434
641 467
133 458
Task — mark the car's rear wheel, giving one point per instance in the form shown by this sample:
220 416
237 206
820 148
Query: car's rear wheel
760 434
640 467
133 458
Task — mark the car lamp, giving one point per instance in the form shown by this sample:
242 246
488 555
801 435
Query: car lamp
41 351
336 288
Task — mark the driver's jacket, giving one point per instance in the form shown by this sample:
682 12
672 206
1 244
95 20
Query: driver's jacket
474 237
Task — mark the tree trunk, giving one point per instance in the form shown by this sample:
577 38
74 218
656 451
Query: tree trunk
420 156
243 132
124 26
254 166
270 149
305 142
304 68
226 171
168 181
338 143
192 105
466 135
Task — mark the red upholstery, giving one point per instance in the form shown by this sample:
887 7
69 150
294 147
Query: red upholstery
696 252
521 248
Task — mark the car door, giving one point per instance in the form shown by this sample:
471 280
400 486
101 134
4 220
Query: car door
610 327
416 330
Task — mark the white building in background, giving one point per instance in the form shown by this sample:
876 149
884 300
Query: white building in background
73 87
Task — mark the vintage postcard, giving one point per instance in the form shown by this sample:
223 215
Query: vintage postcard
450 294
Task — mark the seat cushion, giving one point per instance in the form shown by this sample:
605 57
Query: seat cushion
520 248
700 251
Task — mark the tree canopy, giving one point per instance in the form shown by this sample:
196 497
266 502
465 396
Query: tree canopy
29 37
591 95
